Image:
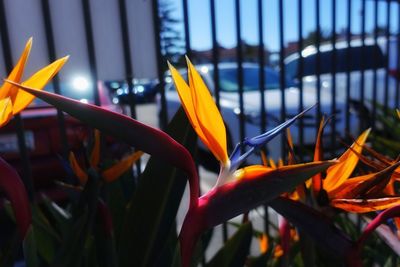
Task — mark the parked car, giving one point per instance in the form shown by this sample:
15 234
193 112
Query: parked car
370 57
230 110
42 137
144 90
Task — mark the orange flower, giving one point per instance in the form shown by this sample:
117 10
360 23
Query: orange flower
12 100
108 175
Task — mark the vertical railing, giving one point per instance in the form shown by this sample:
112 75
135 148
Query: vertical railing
300 74
374 73
388 54
333 74
282 75
56 80
239 56
397 101
348 57
318 59
87 16
362 67
7 53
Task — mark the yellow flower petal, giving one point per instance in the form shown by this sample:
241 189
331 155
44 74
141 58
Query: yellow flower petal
5 110
251 171
37 81
208 115
365 205
95 155
82 176
16 74
121 167
340 172
185 95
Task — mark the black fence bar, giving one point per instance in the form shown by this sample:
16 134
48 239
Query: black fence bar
374 74
186 28
23 150
333 74
397 101
387 37
261 65
300 75
56 80
163 116
127 56
87 17
215 60
262 78
348 57
128 66
362 66
282 75
215 52
240 70
318 59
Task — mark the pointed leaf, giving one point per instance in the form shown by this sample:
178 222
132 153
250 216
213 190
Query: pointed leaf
234 198
95 155
235 250
365 205
316 225
160 187
11 184
139 135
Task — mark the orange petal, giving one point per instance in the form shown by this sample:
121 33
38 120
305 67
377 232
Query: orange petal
37 81
111 174
316 181
16 74
272 163
365 205
95 156
208 116
340 172
185 95
398 113
367 185
264 158
263 243
82 176
5 111
251 172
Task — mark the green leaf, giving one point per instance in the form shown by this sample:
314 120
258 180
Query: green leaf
30 249
316 225
235 198
143 137
152 210
45 237
235 250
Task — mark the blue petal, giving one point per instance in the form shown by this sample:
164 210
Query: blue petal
260 140
268 136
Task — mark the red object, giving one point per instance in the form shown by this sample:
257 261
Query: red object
44 143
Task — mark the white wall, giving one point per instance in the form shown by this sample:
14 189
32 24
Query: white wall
25 19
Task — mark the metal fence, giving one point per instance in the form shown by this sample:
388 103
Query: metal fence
387 32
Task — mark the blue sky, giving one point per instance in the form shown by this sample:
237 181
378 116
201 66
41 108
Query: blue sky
200 25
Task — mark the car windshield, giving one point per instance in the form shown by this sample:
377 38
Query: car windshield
229 82
351 59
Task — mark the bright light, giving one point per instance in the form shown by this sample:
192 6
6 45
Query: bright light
80 83
84 100
204 69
